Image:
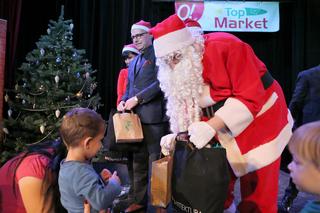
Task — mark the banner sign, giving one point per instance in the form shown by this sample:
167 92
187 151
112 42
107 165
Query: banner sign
233 16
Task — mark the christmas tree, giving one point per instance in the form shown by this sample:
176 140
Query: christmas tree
55 78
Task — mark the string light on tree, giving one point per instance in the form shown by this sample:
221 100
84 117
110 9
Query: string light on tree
41 88
79 94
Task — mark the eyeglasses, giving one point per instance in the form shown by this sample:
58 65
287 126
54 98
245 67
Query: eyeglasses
138 36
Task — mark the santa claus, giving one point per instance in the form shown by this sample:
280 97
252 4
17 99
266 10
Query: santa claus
217 87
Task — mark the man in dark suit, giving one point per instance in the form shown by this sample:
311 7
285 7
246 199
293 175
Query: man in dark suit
144 96
305 108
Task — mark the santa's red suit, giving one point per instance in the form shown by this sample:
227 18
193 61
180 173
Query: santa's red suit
255 112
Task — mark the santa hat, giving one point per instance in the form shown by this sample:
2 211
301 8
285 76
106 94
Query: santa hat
142 25
194 27
131 48
170 35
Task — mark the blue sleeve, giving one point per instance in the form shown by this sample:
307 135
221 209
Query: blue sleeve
89 185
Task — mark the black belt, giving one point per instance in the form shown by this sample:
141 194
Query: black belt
267 80
209 111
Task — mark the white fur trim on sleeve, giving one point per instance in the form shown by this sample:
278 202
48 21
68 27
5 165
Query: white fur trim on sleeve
235 115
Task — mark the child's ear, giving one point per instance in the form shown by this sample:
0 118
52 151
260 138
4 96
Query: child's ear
87 142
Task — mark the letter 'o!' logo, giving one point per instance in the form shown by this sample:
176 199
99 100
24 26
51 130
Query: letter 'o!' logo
192 10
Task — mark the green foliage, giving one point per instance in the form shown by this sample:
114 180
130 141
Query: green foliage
55 78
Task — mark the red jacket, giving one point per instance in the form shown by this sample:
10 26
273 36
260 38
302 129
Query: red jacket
122 84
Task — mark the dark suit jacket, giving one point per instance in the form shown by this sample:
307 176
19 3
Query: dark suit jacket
143 83
305 102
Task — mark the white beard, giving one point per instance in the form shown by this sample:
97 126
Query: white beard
182 87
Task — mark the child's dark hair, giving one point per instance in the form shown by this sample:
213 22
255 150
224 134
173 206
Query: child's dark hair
125 54
79 123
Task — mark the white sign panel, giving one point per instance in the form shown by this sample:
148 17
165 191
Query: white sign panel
234 16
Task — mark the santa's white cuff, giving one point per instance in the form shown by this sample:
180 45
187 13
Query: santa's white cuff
235 115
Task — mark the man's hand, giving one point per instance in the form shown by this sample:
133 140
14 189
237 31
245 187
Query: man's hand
167 143
131 103
120 106
201 133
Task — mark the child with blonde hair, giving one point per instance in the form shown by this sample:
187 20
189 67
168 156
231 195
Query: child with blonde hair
304 146
82 131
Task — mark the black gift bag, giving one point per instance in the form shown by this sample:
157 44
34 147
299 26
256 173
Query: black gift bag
200 178
110 139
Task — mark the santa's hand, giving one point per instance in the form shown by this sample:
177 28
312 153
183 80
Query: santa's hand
167 143
201 133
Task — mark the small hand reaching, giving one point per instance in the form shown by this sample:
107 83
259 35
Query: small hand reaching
115 177
105 174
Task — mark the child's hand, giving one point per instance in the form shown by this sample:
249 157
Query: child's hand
105 174
115 177
86 207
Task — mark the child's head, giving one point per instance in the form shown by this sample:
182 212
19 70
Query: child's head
304 146
82 126
129 52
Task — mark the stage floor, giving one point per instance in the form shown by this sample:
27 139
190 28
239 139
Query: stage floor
299 202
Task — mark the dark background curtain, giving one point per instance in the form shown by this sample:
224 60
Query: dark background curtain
102 27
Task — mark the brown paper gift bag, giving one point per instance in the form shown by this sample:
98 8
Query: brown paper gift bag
161 181
127 127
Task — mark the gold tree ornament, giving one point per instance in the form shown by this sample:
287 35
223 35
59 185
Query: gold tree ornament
41 88
79 94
